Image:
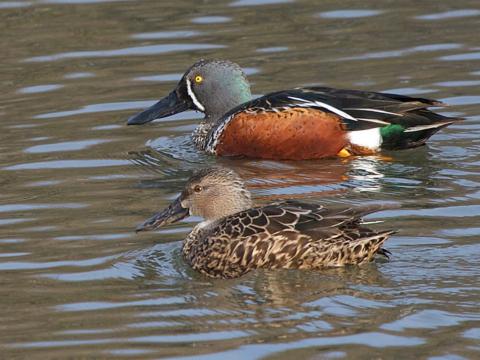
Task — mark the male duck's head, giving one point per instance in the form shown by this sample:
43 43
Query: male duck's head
211 193
210 86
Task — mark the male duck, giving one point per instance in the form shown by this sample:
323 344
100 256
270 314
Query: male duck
235 237
302 123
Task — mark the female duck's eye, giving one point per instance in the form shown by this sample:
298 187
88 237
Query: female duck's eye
197 188
198 79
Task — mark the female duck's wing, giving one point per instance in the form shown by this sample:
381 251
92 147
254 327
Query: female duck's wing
291 235
314 220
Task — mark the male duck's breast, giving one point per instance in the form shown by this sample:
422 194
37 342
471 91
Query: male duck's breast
294 133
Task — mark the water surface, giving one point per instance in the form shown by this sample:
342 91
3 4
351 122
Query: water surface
76 281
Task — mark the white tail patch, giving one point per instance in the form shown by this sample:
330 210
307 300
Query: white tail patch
370 138
197 103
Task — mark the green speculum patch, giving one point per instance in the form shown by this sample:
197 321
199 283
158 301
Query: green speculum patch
392 130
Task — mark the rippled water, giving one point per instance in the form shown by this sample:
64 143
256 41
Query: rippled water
75 280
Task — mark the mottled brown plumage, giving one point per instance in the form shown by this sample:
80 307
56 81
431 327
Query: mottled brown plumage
236 238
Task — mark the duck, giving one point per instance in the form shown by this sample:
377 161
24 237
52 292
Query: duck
236 237
303 123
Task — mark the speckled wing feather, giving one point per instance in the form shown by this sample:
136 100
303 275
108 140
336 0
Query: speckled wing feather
314 220
359 110
289 234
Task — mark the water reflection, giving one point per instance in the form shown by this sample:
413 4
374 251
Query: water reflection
40 88
450 14
258 2
177 156
131 51
404 52
348 14
75 279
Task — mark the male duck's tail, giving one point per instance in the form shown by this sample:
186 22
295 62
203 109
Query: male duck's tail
398 136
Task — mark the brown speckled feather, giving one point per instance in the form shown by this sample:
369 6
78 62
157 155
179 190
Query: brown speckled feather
287 235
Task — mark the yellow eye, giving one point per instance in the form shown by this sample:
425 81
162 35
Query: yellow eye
198 79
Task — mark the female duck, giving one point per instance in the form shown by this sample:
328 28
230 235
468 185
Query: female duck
235 237
301 123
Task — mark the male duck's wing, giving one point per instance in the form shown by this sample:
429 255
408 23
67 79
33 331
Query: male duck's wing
373 109
352 109
275 104
355 107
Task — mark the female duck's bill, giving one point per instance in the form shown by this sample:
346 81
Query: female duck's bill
211 193
236 237
173 213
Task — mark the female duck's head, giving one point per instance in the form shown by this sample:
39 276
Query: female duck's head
210 86
211 193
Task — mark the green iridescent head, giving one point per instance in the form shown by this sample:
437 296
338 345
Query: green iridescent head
210 86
